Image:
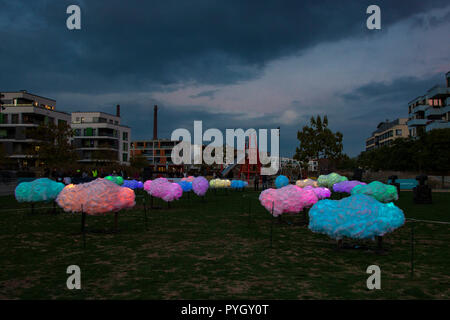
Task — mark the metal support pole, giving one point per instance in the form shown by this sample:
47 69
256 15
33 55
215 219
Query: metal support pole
412 250
83 226
145 214
271 227
249 211
115 221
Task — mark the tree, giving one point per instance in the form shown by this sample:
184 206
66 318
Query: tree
437 152
317 141
54 147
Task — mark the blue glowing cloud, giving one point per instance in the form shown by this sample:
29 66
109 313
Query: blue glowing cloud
358 216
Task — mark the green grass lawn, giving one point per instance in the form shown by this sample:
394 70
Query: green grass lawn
212 250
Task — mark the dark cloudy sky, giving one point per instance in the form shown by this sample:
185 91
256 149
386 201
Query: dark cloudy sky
230 63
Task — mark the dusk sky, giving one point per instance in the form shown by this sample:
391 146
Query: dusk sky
231 64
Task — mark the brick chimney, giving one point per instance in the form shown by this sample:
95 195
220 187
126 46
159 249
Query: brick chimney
155 122
118 110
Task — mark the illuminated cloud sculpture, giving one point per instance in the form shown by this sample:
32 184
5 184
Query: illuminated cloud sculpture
159 187
281 181
42 189
132 184
220 183
116 179
147 185
174 192
185 185
329 180
238 184
346 186
96 197
358 216
321 192
200 185
288 199
378 190
306 183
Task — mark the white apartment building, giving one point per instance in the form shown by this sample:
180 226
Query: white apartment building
21 113
430 111
100 137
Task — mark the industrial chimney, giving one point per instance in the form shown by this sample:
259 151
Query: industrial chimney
155 122
118 110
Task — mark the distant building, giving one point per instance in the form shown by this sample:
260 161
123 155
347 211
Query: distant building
387 132
100 137
313 165
157 152
21 113
430 111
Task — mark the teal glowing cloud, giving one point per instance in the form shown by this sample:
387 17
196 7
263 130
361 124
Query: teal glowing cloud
378 190
42 189
358 217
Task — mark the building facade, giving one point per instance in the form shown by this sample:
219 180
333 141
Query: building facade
21 113
100 137
387 132
430 111
157 152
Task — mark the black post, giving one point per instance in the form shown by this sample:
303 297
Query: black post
83 228
412 250
379 242
249 211
32 208
115 221
145 214
54 207
271 227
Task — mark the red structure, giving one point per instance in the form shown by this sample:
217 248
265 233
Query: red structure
251 150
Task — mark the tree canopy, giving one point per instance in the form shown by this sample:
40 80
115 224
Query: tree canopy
54 147
428 153
317 141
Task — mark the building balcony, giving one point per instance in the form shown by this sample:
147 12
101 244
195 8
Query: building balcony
436 111
417 122
97 148
438 125
437 92
103 136
420 107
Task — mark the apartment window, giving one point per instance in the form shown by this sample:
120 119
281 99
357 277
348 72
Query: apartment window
125 136
398 132
125 157
3 118
88 132
14 118
125 146
77 132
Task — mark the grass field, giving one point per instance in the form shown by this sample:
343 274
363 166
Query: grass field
216 250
